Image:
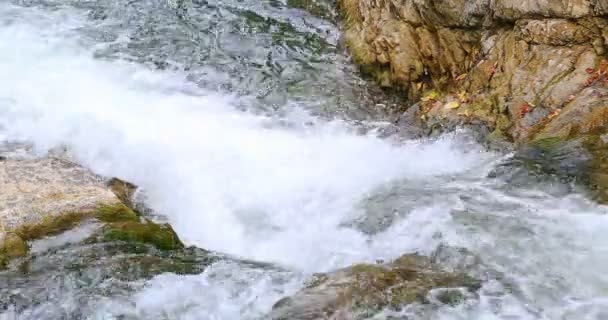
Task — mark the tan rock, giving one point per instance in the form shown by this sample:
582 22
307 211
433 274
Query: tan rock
517 61
371 287
45 196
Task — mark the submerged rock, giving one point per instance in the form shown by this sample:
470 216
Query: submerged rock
368 288
321 8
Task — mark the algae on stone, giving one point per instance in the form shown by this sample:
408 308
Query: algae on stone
160 236
115 213
124 224
11 246
365 288
44 197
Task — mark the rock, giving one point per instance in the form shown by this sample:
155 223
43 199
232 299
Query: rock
45 196
123 190
365 288
11 246
500 60
143 231
321 8
521 71
122 224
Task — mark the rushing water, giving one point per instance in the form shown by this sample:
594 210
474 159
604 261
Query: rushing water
247 127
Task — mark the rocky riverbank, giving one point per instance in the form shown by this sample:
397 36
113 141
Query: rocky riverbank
532 73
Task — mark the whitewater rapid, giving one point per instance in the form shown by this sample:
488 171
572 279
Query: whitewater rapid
230 181
288 188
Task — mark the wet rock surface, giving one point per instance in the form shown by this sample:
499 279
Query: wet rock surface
514 71
40 197
367 288
46 196
39 190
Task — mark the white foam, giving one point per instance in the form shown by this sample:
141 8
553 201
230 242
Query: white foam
228 180
251 186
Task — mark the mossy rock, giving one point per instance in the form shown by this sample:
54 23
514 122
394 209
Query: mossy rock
452 297
115 213
160 236
148 264
12 246
123 190
579 157
548 144
365 289
406 280
124 224
319 8
51 225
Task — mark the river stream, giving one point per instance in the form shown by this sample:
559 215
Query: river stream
247 128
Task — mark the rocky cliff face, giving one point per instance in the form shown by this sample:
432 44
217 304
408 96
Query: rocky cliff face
516 65
528 70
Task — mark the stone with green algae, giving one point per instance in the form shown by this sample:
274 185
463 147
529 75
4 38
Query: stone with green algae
364 288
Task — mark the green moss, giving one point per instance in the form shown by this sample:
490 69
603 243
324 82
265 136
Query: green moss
55 224
51 225
380 286
451 297
160 236
547 144
313 6
115 213
15 244
12 246
503 122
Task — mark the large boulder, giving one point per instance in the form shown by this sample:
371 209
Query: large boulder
364 289
40 191
40 197
46 196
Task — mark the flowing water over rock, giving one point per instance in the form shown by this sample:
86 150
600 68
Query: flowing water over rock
249 131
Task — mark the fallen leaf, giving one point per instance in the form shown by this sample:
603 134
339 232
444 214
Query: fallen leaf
466 113
554 113
432 95
461 77
452 105
462 95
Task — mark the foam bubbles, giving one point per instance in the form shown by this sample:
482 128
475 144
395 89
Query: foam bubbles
231 181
